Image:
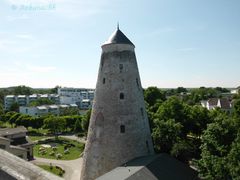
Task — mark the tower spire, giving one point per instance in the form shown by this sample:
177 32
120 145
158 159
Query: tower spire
118 25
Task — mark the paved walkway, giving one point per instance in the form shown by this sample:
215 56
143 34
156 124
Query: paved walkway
73 137
72 167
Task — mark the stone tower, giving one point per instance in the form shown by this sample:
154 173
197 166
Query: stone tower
119 128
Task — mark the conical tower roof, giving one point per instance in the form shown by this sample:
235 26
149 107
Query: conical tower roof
118 38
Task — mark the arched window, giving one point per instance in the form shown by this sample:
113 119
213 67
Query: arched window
120 67
147 147
142 113
137 82
122 129
121 95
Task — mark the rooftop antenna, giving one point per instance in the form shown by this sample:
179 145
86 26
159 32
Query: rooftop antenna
117 25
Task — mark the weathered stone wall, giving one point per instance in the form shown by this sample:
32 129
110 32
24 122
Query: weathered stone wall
119 129
13 167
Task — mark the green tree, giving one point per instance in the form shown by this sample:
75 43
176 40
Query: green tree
152 94
173 108
165 134
199 118
181 89
1 110
78 126
13 118
85 121
219 144
14 107
236 108
24 120
55 124
22 90
41 101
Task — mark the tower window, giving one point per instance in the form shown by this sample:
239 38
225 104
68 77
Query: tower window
122 129
137 82
142 112
120 67
147 147
104 80
121 96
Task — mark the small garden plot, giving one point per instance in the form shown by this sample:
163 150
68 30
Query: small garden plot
60 148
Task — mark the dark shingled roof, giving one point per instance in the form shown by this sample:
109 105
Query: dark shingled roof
11 131
213 101
118 38
162 166
225 103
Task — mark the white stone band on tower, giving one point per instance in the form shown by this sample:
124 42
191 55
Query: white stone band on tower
119 128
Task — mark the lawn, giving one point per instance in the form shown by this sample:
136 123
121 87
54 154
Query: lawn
36 138
62 148
53 169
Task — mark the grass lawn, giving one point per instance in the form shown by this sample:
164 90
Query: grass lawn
54 170
36 138
75 149
39 131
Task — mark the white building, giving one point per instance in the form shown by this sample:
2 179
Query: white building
46 109
24 100
235 91
213 103
80 96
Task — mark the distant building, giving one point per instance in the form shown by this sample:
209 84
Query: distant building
24 100
14 141
213 103
80 96
235 91
46 109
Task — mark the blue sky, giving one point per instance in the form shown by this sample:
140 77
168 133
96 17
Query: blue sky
190 43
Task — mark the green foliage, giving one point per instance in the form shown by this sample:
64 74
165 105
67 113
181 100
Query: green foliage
55 124
78 127
22 90
75 149
85 121
41 101
181 90
199 118
153 94
13 117
165 134
24 120
203 93
236 110
220 150
173 108
14 107
53 169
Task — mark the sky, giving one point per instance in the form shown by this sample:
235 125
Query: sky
187 43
